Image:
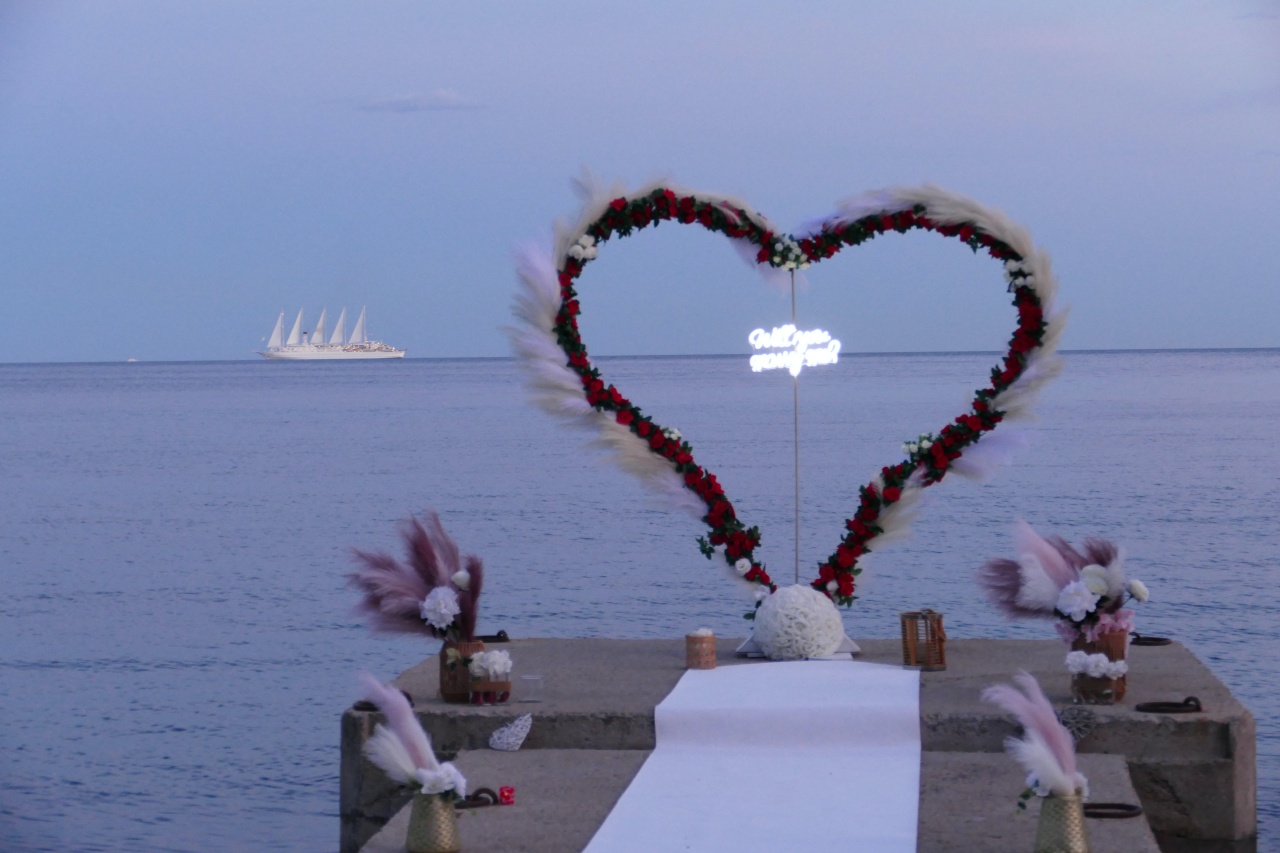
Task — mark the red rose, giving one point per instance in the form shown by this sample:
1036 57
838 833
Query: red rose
845 582
572 307
618 203
826 573
643 428
625 417
657 440
892 494
966 233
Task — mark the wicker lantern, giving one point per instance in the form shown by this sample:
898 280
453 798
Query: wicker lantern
924 643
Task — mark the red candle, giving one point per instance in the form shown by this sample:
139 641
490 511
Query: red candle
507 795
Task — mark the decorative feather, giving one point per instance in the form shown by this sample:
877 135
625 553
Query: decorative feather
469 598
393 591
403 726
992 451
1057 563
1003 581
1046 749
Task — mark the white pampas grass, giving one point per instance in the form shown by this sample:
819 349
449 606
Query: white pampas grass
994 450
1046 750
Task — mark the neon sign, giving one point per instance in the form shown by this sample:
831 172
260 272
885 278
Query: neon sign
794 350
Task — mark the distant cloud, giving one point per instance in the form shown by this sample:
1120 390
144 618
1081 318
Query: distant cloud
440 99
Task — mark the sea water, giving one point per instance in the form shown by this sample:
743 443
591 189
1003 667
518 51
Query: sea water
176 641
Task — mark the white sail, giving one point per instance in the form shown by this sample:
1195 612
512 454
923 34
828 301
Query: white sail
295 336
277 334
339 329
317 336
357 334
303 347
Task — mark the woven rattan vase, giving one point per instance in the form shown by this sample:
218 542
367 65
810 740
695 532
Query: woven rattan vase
455 681
1061 828
433 826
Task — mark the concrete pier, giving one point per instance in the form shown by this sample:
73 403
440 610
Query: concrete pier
1195 774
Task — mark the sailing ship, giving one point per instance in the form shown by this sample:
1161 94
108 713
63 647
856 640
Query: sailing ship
301 346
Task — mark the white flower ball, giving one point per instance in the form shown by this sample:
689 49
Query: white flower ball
798 622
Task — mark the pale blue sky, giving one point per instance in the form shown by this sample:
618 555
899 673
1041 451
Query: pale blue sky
173 175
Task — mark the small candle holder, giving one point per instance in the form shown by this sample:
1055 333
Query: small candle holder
507 795
530 689
700 650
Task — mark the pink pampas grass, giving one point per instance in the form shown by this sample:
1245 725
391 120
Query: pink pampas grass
393 591
1046 749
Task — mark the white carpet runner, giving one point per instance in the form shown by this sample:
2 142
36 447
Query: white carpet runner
807 756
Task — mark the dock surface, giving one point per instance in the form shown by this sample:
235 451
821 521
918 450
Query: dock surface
1194 774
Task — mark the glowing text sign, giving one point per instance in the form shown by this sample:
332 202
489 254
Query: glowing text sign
794 349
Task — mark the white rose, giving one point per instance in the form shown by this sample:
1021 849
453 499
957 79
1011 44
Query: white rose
575 252
462 580
743 565
587 241
832 586
1139 591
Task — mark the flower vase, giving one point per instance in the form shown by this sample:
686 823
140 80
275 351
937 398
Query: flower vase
455 676
433 826
1088 690
1061 827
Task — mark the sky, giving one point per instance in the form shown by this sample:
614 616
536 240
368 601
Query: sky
173 176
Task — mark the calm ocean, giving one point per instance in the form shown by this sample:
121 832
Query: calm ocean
176 644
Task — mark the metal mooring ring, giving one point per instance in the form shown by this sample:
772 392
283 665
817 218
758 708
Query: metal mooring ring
1137 639
1190 705
1111 811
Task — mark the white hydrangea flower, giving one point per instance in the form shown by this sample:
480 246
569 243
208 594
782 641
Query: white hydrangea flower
1095 578
494 665
1077 600
586 241
462 579
1139 590
576 252
672 433
439 608
1077 662
1098 666
742 566
1117 669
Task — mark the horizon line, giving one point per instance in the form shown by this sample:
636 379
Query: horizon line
1100 351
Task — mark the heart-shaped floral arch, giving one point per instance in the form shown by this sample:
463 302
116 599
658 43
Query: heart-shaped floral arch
566 384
